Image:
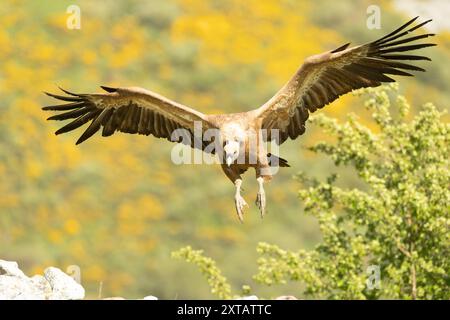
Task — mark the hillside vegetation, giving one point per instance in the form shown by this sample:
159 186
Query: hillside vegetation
118 207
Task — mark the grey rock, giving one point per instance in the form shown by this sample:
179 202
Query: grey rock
11 268
15 288
63 286
15 285
248 298
286 298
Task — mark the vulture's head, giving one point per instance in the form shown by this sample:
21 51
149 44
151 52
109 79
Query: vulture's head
233 138
231 149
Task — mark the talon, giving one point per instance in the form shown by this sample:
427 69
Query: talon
261 197
240 204
261 203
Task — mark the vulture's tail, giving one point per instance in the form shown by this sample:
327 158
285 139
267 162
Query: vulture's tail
277 161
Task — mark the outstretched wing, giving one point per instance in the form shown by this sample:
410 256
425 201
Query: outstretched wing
130 110
325 77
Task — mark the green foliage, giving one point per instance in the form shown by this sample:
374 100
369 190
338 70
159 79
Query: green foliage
217 282
398 222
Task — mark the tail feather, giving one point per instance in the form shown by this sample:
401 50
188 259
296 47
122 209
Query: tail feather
277 161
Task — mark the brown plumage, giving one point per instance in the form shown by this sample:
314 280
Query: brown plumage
319 81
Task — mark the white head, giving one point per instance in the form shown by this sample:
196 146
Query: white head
231 149
232 136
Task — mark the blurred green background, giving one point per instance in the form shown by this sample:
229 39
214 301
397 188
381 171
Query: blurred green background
118 207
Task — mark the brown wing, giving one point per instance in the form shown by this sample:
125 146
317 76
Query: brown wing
325 77
130 110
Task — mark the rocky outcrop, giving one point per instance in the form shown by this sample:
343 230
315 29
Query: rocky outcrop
53 285
286 298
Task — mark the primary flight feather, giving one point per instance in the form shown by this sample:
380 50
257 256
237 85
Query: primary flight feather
319 81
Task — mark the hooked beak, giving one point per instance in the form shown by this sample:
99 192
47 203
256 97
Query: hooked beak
229 160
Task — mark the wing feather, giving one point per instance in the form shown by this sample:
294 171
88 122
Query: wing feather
129 110
325 77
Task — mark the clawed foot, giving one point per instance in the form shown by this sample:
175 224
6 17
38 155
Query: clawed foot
240 204
261 202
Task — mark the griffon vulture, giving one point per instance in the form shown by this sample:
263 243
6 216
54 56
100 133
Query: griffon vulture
319 81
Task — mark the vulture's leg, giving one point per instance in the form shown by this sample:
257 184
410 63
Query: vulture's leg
261 196
235 177
238 200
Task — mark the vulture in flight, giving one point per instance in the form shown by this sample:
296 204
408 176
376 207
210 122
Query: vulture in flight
321 79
